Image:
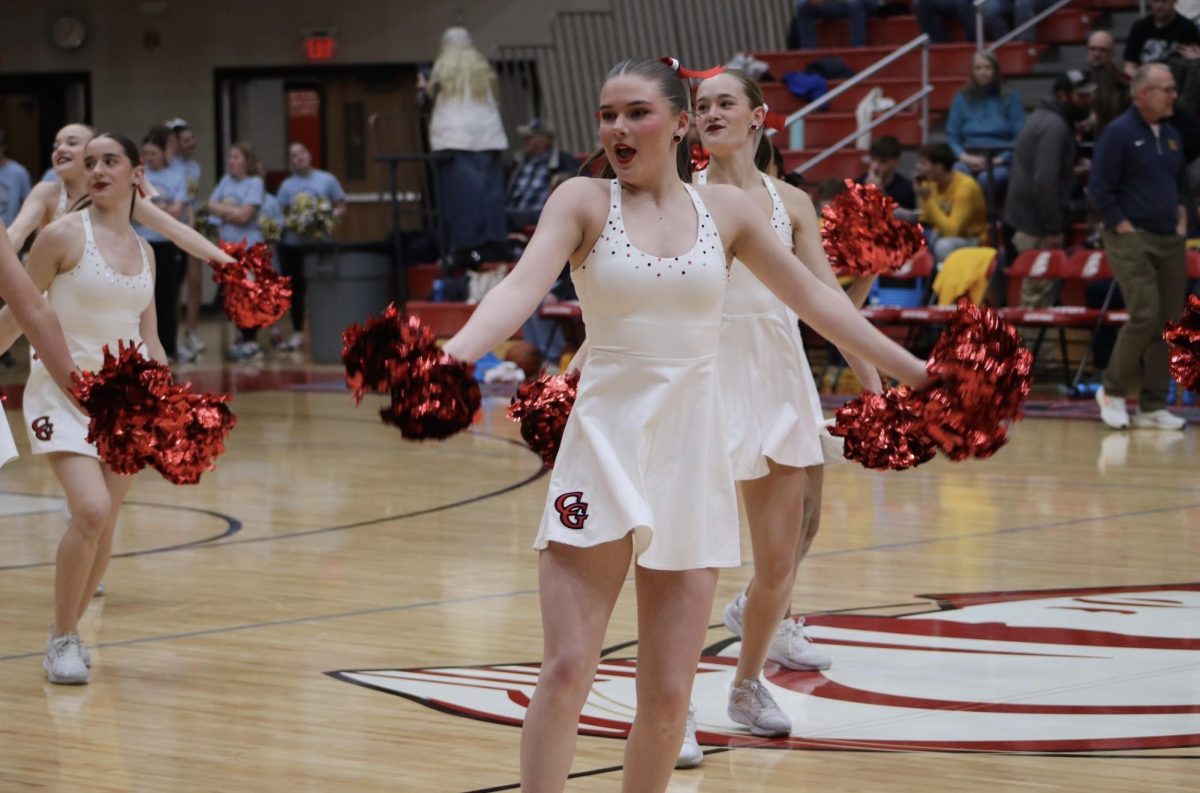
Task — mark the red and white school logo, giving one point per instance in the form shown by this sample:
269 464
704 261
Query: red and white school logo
572 509
1044 671
43 428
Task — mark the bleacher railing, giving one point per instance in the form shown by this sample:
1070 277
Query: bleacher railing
794 124
1016 31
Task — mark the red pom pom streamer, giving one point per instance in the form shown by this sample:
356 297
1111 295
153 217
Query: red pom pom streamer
432 395
880 431
1184 338
255 295
982 378
543 407
862 235
140 418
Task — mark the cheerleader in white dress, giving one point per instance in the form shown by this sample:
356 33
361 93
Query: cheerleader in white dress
99 278
28 308
645 443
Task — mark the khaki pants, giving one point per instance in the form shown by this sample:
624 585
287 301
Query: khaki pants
1035 292
1152 272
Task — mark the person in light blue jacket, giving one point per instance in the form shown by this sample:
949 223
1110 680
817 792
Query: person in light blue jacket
985 116
233 208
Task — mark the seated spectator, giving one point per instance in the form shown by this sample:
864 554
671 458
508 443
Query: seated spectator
931 16
952 206
804 32
14 185
1159 37
1112 85
985 116
1043 175
883 173
533 169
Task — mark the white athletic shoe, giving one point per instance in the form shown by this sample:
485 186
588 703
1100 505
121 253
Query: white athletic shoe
64 662
1158 420
1112 410
751 705
294 344
690 754
194 342
792 648
83 650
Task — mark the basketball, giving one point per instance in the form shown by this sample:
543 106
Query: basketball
526 356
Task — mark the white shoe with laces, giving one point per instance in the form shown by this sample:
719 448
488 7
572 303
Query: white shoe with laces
790 646
690 754
751 705
64 662
1112 410
1158 420
83 650
193 340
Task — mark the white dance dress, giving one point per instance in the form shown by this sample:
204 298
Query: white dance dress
645 448
96 305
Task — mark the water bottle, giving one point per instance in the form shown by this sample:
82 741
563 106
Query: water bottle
439 290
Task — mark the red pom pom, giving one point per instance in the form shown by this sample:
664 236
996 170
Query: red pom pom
255 295
982 374
1184 338
432 395
862 235
139 418
543 407
880 431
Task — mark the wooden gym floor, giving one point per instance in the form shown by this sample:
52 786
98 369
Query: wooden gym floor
325 551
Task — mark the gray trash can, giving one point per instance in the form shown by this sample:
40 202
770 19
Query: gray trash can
346 284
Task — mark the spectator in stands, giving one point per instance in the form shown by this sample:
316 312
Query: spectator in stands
882 172
1112 84
466 127
1139 186
1161 36
804 31
533 170
1043 175
985 117
185 159
14 185
316 185
931 16
952 206
233 208
170 186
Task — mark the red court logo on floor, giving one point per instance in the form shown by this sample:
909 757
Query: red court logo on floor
1098 669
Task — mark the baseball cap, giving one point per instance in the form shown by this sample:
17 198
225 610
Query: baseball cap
536 125
1074 80
175 123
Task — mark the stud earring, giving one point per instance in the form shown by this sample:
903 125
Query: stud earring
676 138
754 126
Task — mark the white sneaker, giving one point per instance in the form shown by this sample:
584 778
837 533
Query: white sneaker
291 345
1158 420
64 662
732 616
1112 411
100 590
792 648
184 354
751 705
83 650
194 342
690 754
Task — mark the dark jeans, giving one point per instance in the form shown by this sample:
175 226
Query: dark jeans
291 264
170 267
1152 272
472 198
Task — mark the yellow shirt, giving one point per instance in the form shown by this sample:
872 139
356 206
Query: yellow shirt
960 211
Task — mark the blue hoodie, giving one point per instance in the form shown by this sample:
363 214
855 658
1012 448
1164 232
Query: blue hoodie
993 120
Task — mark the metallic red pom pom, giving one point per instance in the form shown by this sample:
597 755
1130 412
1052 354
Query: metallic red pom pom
140 418
543 407
862 235
255 295
880 431
1184 338
433 396
982 375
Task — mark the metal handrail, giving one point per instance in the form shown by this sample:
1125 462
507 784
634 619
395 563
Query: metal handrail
887 60
919 96
979 4
1012 34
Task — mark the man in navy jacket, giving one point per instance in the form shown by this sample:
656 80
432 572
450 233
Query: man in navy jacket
1139 186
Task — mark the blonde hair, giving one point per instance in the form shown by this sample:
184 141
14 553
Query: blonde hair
460 70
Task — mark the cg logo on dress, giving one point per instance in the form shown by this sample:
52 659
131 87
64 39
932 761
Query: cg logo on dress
43 429
572 509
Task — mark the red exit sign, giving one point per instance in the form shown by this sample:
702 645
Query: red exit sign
320 48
